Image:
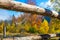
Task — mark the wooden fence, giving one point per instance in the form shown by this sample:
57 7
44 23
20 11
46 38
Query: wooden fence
18 6
33 37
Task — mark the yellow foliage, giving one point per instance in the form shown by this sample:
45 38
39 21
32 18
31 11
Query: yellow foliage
44 27
27 26
11 28
8 26
54 25
35 27
57 31
44 23
1 27
18 28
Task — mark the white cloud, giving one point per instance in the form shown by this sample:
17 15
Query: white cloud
47 4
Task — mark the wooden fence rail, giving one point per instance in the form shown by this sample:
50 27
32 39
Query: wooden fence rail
32 37
38 37
19 6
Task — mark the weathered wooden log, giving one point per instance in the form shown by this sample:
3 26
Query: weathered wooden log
33 37
19 6
37 37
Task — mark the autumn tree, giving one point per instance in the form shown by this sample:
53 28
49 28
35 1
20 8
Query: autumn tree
1 26
44 28
55 23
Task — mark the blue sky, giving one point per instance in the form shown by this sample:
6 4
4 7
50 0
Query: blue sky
6 14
